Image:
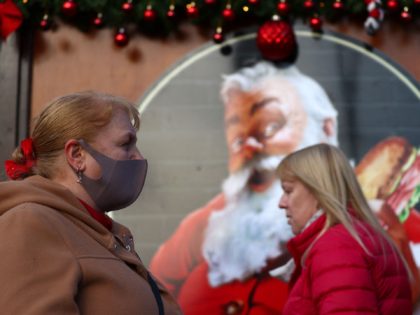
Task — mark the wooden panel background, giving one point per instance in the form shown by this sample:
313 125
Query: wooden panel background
67 60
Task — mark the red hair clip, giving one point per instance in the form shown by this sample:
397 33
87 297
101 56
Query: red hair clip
17 170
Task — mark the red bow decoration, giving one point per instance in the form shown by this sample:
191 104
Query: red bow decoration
10 18
16 170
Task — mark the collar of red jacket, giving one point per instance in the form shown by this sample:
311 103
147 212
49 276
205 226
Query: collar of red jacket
98 216
300 243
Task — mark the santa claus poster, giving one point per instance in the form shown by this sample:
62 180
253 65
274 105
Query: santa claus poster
215 127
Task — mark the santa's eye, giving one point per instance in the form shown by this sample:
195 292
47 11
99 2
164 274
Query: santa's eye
237 144
271 129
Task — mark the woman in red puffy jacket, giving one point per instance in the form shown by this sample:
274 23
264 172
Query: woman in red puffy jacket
345 262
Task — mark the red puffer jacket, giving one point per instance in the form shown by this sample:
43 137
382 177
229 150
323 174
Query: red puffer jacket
339 277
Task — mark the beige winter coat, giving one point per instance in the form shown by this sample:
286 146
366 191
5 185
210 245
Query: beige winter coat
56 259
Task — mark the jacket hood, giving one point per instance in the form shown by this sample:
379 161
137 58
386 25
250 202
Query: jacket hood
42 191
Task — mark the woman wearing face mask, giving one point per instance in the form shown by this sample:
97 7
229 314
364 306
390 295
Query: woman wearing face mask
345 262
61 253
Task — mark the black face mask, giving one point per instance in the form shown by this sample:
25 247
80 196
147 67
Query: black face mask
120 184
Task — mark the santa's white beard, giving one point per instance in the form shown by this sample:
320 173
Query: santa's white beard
248 231
251 229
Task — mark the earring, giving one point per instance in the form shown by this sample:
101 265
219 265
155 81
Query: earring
79 175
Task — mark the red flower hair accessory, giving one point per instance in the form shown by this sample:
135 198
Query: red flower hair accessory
10 18
16 170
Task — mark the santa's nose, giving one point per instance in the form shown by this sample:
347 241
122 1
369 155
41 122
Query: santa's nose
251 146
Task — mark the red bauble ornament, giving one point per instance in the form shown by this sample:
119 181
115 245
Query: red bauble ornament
228 13
392 5
45 23
121 37
406 15
283 8
253 2
338 5
127 6
98 21
69 8
210 2
308 5
276 40
315 23
192 10
149 14
171 12
218 36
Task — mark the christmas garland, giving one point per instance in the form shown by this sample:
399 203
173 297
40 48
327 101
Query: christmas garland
161 17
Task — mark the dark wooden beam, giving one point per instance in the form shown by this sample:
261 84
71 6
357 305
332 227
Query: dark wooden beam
15 91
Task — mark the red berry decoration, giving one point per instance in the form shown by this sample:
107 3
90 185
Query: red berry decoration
192 10
127 6
338 5
228 13
69 8
308 5
149 14
98 21
283 8
316 23
218 36
171 12
406 15
392 5
121 37
45 23
276 40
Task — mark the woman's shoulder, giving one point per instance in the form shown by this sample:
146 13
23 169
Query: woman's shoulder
337 249
42 221
29 210
30 215
29 224
336 233
337 239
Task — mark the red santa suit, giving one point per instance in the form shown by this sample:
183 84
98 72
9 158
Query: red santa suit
180 265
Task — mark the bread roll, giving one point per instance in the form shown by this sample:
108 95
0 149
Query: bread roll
381 167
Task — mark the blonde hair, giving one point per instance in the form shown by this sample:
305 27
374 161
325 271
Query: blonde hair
326 172
73 116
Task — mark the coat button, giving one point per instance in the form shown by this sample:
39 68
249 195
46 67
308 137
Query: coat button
233 307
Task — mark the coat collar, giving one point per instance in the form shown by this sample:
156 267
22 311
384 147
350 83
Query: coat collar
298 245
98 216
